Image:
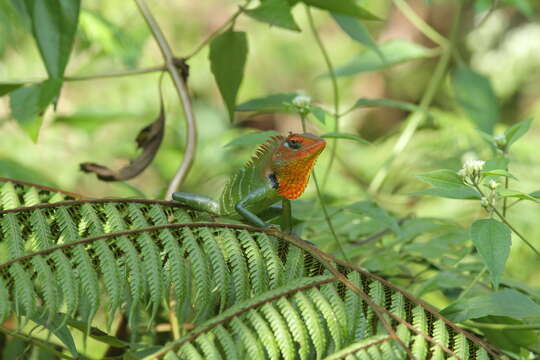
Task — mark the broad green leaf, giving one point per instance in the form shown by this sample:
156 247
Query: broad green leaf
276 13
27 103
515 194
54 24
319 114
516 131
357 32
446 184
535 194
228 54
475 95
61 331
375 212
345 7
492 239
394 52
334 135
403 105
6 88
274 102
507 302
252 138
508 340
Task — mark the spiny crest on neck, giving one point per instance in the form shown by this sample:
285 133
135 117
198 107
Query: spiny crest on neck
265 150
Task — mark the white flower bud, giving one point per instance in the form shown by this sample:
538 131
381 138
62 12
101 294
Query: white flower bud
484 201
493 184
301 101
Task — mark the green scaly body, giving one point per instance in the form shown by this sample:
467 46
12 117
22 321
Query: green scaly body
279 171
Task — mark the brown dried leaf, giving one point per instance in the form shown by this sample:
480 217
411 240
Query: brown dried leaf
149 139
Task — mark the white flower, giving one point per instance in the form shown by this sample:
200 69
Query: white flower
301 101
470 171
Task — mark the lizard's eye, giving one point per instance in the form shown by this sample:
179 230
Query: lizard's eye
293 144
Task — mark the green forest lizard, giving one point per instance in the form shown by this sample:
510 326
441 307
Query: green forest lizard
279 171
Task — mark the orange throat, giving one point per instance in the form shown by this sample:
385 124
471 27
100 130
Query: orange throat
293 177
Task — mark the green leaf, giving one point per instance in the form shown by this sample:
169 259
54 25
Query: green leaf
446 184
275 13
228 54
492 239
403 105
345 7
319 114
54 24
28 102
6 88
498 173
508 340
274 102
507 302
375 212
335 135
394 52
516 131
252 138
357 32
515 194
475 95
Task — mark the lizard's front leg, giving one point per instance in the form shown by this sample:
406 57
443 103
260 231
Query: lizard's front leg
197 202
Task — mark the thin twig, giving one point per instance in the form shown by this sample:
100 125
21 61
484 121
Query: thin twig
416 118
420 24
473 282
335 91
323 204
218 31
181 88
107 75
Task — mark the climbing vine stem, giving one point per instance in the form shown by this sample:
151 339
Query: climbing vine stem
335 90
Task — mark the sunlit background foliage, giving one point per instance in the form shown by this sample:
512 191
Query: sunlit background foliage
97 120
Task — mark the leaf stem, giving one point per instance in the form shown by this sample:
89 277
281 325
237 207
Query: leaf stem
471 285
503 219
335 90
180 85
416 118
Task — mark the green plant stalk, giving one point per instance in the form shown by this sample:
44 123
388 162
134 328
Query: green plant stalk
505 200
503 219
181 88
420 24
335 90
323 204
416 118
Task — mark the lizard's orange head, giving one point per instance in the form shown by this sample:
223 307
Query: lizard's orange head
293 160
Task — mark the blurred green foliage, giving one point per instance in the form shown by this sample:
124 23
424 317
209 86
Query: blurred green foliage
493 81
